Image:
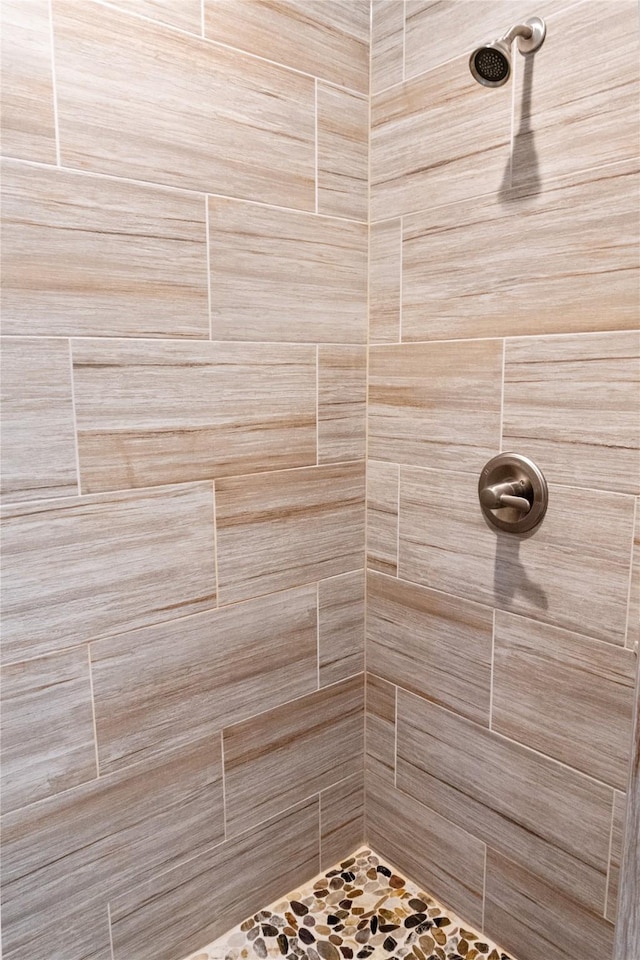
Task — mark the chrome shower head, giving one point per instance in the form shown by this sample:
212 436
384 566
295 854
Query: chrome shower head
490 64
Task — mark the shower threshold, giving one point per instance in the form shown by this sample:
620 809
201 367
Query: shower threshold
361 909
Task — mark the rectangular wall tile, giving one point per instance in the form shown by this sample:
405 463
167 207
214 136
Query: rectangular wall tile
278 758
537 922
183 14
433 851
47 727
343 153
341 627
573 573
572 401
102 565
385 279
436 404
184 908
283 275
218 409
329 40
436 32
382 516
180 111
387 27
89 256
436 645
381 732
483 782
28 124
342 403
281 529
96 841
615 860
577 270
570 116
341 820
442 107
168 685
586 687
39 453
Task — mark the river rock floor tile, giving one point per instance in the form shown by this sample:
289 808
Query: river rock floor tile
361 908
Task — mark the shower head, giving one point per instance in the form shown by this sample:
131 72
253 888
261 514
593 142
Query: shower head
490 64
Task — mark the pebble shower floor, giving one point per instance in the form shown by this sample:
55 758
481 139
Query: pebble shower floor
361 908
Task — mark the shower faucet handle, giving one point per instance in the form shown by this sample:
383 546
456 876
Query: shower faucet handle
512 493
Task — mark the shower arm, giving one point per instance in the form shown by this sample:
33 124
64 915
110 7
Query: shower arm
530 35
518 30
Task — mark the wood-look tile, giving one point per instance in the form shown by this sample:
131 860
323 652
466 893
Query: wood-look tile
617 838
436 404
571 402
535 811
96 841
343 153
387 29
382 516
436 645
563 260
572 573
536 921
446 108
433 851
183 14
438 31
381 731
103 565
47 727
341 820
82 934
28 124
87 255
342 403
385 271
278 758
181 909
168 685
565 695
283 275
218 409
633 613
628 914
340 627
573 114
280 529
179 110
39 454
329 39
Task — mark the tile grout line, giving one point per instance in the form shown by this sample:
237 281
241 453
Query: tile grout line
110 923
401 281
631 571
215 544
93 714
395 738
224 786
318 636
208 256
493 646
320 828
54 88
610 849
315 101
317 405
365 829
398 577
502 385
484 888
404 43
74 424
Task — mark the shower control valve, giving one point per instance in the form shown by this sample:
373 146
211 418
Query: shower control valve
513 493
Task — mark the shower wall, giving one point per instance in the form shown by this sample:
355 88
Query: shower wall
184 365
503 291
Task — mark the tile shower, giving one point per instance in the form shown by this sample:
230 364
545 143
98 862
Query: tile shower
279 279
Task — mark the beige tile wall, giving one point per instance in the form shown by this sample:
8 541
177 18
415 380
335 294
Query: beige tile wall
184 404
503 316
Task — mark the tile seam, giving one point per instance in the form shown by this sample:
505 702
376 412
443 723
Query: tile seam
54 88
